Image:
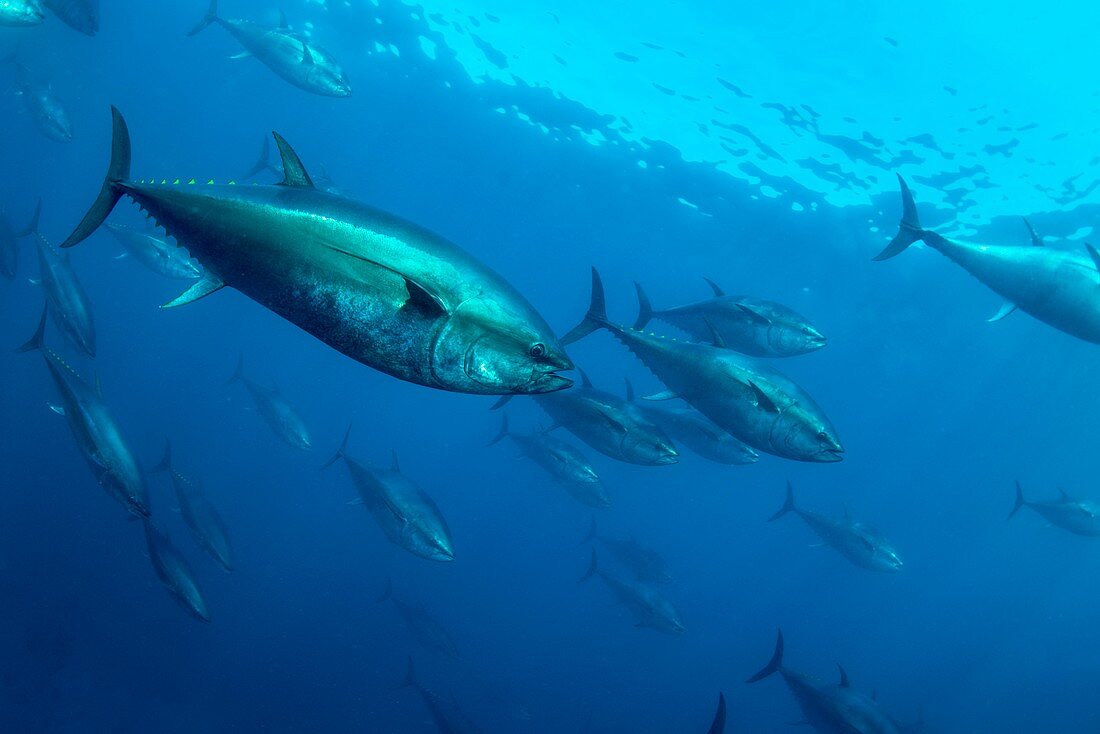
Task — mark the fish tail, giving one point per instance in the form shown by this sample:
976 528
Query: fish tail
596 318
165 463
210 17
718 726
388 592
1020 501
118 170
341 452
502 433
32 226
593 569
788 504
909 229
645 308
775 664
36 341
238 371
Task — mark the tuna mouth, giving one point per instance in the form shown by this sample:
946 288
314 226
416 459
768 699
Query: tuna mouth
831 455
668 459
549 382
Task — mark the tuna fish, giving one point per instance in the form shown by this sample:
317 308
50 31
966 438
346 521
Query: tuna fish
428 632
276 411
383 291
206 526
66 298
174 572
751 401
9 244
563 462
81 15
859 543
94 427
608 424
643 563
156 253
691 428
448 717
1059 287
648 607
288 54
20 13
831 709
1080 517
44 106
752 326
407 515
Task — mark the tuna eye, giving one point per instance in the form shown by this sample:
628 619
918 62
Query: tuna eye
537 350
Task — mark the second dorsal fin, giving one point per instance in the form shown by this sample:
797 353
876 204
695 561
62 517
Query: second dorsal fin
294 173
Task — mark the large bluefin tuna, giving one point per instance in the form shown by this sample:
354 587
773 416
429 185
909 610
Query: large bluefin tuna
81 15
563 462
275 410
831 709
1059 287
174 572
750 325
156 253
1080 517
648 607
44 106
608 424
95 429
204 522
20 13
406 514
66 298
383 291
750 400
428 632
290 55
860 543
446 714
691 428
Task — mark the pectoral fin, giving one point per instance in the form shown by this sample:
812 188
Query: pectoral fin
422 300
762 400
616 424
356 501
755 316
1007 308
56 408
241 55
203 287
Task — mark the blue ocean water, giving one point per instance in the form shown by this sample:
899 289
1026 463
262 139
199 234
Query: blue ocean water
662 145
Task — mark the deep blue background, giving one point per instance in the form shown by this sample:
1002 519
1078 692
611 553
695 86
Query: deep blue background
991 627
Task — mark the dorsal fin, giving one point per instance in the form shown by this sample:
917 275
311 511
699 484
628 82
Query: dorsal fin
395 465
718 292
1093 254
844 682
294 173
1064 495
283 24
1036 240
585 382
715 337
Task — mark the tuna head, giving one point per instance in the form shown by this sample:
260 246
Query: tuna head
432 543
795 339
489 347
805 435
328 78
